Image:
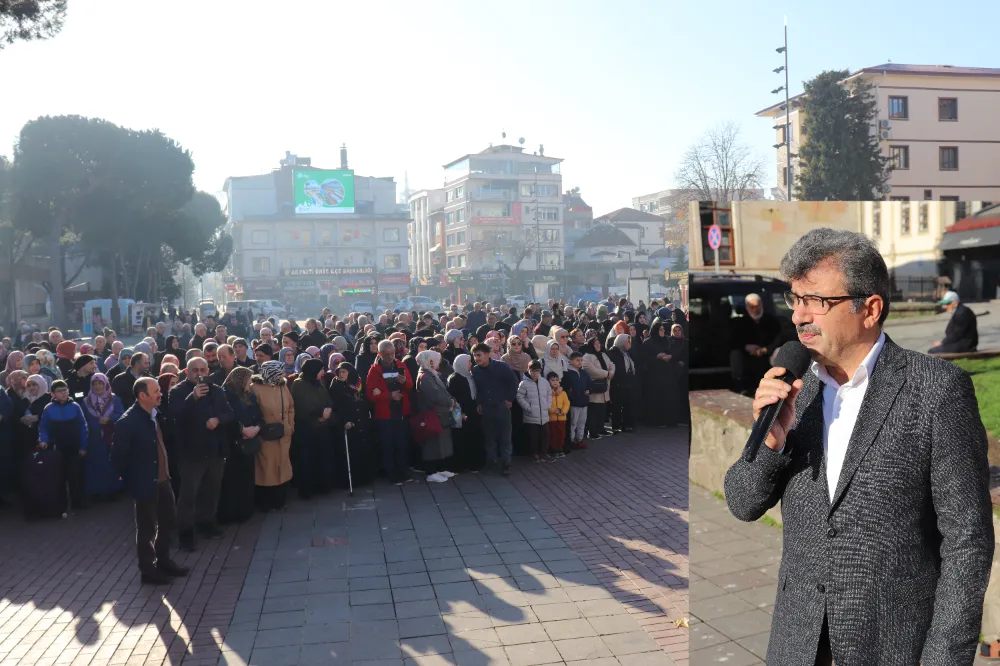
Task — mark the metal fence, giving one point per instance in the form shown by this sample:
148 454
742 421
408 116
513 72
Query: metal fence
915 288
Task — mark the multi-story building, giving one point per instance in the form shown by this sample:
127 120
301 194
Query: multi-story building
426 227
313 236
936 123
503 222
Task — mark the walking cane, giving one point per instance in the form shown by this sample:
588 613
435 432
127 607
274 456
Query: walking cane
347 451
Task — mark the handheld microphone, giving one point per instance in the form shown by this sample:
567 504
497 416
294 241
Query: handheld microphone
794 357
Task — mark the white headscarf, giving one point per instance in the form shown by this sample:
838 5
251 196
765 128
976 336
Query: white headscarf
619 344
425 358
463 366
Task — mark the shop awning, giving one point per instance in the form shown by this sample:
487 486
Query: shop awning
970 238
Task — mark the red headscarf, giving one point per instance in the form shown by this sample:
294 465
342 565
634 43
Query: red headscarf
66 349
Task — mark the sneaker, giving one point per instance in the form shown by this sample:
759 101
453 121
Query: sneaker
560 455
595 436
156 578
437 477
580 445
446 474
171 568
538 459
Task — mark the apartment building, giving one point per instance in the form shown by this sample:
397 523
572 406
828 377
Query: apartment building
503 218
310 235
425 229
937 123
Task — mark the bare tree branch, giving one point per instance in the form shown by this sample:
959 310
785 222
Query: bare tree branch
719 167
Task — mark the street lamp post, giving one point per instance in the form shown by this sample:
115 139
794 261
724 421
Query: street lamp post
788 115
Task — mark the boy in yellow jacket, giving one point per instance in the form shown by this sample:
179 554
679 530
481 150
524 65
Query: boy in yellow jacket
558 413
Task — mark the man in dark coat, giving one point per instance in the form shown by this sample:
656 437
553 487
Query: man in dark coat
123 383
754 336
962 332
140 455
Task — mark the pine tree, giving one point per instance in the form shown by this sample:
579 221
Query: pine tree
840 158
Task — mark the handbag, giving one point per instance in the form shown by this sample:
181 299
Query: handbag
425 425
270 432
598 386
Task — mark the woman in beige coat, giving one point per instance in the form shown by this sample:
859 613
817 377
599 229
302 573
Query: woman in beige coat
600 369
274 466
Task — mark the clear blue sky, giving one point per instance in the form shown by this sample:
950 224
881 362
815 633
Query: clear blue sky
618 89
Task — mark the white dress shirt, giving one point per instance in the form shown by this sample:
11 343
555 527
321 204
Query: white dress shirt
841 405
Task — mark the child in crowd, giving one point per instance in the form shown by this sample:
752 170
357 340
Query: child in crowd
535 397
576 382
558 413
64 427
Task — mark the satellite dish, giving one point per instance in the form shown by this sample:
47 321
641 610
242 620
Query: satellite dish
504 134
521 141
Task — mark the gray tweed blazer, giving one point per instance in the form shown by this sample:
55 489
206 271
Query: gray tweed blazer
898 563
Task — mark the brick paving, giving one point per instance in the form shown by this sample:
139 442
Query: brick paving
583 561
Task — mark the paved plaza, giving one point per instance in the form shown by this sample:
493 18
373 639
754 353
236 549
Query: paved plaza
583 561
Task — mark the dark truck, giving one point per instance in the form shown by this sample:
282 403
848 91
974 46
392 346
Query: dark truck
715 300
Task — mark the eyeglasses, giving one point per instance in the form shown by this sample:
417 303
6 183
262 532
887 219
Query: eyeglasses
818 304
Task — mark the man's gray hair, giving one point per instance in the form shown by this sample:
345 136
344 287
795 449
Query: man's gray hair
750 298
854 255
386 345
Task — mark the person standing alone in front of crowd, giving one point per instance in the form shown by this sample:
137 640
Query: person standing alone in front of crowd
534 394
201 415
878 456
141 458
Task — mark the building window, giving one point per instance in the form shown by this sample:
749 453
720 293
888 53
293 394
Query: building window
643 207
449 240
461 261
948 158
547 190
459 216
261 264
961 208
947 108
324 237
307 261
922 224
390 235
261 237
905 219
393 261
710 215
548 213
928 195
550 235
549 259
899 157
449 218
782 135
877 220
451 262
899 108
460 238
286 262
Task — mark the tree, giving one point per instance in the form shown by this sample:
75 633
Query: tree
842 159
26 20
719 167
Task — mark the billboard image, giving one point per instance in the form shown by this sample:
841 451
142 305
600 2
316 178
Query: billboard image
323 192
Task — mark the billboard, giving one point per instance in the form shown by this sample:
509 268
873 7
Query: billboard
318 192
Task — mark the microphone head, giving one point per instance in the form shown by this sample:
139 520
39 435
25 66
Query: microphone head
794 357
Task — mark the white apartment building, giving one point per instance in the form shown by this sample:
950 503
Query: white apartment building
937 123
282 253
426 215
498 201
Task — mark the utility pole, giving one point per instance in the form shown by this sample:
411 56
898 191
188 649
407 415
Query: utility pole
787 143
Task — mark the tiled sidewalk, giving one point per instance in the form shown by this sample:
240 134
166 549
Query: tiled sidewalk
468 572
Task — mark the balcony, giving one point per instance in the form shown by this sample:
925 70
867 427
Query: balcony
485 194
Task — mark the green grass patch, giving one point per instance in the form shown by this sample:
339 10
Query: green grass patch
996 512
768 520
719 495
986 378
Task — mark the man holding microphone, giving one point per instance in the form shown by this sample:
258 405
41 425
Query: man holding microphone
878 457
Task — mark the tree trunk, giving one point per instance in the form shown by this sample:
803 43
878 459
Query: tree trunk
138 270
57 294
116 310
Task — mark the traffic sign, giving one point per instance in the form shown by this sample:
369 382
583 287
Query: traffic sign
714 237
666 274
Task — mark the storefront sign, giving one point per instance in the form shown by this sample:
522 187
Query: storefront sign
300 284
394 279
340 270
258 285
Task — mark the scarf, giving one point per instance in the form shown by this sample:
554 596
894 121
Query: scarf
463 366
14 361
42 385
619 344
273 373
324 354
100 406
334 362
517 360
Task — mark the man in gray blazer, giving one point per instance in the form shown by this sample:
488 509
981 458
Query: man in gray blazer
878 458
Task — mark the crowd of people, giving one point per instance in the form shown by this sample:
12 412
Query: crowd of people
203 425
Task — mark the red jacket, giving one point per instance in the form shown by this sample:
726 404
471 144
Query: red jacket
381 401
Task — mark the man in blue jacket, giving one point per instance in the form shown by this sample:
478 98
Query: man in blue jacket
64 427
141 457
496 390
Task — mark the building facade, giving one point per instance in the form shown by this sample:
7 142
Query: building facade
301 242
427 219
503 224
937 124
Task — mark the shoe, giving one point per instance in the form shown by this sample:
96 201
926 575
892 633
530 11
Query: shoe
171 568
505 469
397 483
446 474
186 539
409 479
595 436
580 445
156 577
560 455
436 478
538 459
210 531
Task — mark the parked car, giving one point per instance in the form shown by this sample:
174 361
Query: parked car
362 306
421 304
269 308
519 302
207 308
713 302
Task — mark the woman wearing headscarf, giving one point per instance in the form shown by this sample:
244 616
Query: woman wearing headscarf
173 347
659 390
467 439
48 367
273 463
343 346
624 384
601 371
36 397
366 357
417 345
352 418
312 445
289 362
8 456
102 408
493 340
65 353
538 343
433 395
124 359
554 360
324 353
236 497
313 352
13 363
678 365
15 391
454 339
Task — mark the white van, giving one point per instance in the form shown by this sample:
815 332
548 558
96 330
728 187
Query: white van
269 307
233 306
206 308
